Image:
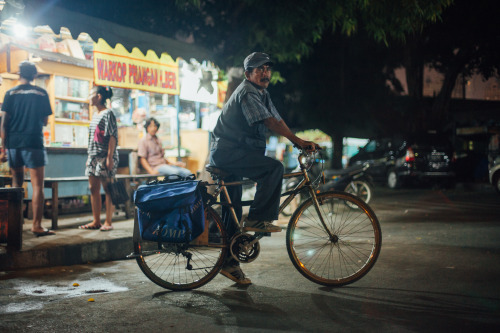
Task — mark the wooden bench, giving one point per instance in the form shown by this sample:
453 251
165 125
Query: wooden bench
53 184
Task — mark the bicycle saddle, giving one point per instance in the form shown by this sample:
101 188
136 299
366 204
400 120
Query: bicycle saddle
217 173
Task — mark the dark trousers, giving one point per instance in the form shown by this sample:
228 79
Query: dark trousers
252 164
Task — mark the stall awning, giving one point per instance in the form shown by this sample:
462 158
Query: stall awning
112 33
53 56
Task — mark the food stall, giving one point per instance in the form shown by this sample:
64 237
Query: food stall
143 86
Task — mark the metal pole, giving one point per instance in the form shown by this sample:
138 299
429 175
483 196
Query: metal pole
198 114
178 107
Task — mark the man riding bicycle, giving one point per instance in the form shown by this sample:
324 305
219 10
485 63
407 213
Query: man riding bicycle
238 147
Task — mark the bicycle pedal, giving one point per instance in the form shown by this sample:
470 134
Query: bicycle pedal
262 234
133 255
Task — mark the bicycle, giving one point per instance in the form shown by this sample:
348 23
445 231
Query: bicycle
333 238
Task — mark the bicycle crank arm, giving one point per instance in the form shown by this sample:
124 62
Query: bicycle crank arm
133 255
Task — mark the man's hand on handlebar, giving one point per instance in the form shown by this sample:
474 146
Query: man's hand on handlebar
308 146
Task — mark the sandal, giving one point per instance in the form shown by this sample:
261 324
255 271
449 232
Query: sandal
235 274
46 232
89 227
106 228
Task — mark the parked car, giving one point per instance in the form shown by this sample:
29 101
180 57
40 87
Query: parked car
401 161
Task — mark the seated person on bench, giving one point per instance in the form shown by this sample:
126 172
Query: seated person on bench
152 155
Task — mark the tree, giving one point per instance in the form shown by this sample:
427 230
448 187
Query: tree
465 42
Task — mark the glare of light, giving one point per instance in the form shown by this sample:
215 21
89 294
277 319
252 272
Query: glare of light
310 253
20 30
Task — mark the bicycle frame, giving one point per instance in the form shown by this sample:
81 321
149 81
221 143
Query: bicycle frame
304 182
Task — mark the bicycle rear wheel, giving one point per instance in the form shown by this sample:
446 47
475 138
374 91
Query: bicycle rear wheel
180 266
346 256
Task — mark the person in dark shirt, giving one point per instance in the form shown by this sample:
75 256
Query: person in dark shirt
238 147
25 111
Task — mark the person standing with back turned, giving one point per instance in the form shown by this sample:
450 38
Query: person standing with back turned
238 146
25 111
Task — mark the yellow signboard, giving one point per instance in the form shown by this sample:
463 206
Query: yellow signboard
222 90
119 68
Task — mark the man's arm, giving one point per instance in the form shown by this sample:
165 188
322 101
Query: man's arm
280 127
147 166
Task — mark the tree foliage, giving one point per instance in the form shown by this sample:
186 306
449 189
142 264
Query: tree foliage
287 29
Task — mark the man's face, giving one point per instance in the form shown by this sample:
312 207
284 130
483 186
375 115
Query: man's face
152 128
260 76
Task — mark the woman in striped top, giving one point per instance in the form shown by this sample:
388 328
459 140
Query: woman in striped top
102 162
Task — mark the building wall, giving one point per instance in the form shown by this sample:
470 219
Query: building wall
475 87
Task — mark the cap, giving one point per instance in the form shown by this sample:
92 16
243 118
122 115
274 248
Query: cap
256 59
27 70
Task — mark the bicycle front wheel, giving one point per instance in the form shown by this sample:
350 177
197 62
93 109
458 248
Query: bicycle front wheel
180 266
345 256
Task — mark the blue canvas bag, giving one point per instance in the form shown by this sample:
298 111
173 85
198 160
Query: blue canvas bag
170 212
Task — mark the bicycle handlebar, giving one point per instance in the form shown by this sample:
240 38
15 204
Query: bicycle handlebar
304 154
308 149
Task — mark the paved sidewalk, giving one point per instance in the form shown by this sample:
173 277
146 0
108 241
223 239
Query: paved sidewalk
70 245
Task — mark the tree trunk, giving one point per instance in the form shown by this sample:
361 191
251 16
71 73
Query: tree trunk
338 145
414 65
441 104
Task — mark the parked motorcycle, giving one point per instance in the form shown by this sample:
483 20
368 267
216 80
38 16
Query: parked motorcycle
353 180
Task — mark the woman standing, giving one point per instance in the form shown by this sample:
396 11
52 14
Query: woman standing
102 162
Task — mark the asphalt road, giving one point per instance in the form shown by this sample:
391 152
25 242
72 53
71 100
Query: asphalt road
439 270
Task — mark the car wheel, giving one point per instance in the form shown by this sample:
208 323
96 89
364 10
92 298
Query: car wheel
496 182
393 179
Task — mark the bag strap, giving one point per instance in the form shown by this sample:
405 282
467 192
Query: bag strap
172 179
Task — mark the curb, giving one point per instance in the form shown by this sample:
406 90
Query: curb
71 246
69 254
